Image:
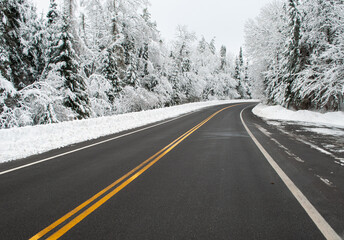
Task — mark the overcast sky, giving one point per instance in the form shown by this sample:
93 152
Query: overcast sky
223 19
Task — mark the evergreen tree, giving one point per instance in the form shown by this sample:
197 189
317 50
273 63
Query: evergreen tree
293 52
240 76
247 81
131 78
32 36
202 45
223 55
66 65
241 58
52 14
212 46
17 61
52 29
110 72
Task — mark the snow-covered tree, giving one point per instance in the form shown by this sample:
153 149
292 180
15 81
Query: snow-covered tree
264 47
65 63
21 48
297 59
181 76
319 85
241 76
223 54
105 57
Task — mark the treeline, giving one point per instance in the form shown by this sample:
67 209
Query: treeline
297 53
104 58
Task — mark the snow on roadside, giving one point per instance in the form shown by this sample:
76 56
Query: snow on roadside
16 143
325 131
335 119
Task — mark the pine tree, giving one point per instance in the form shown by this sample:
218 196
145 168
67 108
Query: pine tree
52 29
131 78
52 14
223 55
241 58
247 81
239 75
17 61
212 46
110 72
202 45
293 52
66 64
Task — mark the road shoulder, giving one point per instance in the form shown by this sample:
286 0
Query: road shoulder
314 173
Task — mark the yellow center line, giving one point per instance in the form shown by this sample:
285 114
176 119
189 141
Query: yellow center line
152 160
77 209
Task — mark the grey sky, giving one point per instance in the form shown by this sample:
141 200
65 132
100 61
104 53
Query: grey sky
224 19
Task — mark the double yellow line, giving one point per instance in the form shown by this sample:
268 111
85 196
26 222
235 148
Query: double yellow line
129 177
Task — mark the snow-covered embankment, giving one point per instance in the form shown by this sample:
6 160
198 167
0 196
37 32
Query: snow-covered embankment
16 143
280 113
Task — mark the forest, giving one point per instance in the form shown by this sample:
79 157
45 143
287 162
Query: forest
296 54
103 57
93 58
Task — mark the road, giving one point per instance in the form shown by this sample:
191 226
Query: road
184 179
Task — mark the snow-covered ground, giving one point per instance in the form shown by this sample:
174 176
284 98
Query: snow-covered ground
16 143
321 131
335 119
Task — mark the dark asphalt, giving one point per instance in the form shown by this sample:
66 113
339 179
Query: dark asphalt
215 184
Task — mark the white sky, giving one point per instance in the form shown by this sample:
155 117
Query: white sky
223 19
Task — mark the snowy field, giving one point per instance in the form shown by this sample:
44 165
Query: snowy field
16 143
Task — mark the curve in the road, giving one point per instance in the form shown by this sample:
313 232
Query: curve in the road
130 176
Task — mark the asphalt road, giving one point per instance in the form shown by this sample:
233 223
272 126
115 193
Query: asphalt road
211 182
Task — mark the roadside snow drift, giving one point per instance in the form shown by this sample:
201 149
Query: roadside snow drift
16 143
280 113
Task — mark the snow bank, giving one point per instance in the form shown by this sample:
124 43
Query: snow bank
280 113
16 143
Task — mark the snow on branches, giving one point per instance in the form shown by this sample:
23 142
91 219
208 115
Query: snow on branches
99 58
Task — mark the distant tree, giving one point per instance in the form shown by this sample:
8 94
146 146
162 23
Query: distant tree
212 46
247 81
240 75
53 13
110 72
182 64
223 55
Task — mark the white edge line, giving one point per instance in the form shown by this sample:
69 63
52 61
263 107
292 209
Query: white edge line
312 212
94 144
